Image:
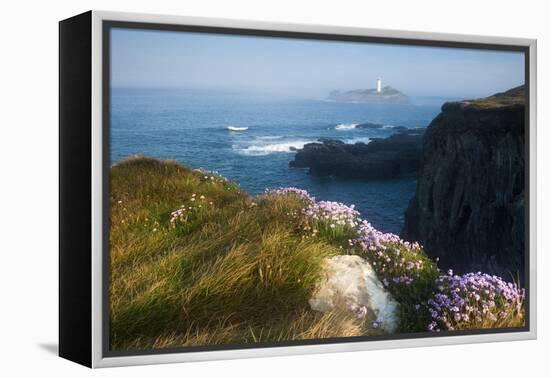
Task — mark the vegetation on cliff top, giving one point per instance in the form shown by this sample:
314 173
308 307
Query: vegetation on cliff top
195 261
227 269
511 97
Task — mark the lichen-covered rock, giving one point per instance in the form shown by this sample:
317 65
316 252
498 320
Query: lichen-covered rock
469 206
351 285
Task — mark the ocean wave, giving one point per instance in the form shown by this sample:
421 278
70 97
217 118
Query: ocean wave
266 149
345 126
234 128
357 140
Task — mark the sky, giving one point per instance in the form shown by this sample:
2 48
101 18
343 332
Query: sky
304 68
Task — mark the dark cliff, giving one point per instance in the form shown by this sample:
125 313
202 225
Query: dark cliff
469 205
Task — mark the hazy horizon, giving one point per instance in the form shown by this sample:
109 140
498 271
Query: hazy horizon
304 68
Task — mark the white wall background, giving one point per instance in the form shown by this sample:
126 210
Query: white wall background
28 184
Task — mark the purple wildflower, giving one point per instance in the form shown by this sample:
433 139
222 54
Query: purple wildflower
473 300
300 193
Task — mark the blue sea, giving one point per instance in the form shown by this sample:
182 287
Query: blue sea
191 126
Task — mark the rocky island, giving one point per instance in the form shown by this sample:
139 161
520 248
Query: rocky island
379 95
469 207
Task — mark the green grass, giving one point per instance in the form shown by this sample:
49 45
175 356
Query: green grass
232 269
514 96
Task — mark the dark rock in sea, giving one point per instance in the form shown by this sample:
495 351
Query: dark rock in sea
386 95
414 131
328 140
469 207
381 159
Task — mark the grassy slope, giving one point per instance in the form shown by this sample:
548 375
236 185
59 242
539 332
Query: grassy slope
514 96
234 271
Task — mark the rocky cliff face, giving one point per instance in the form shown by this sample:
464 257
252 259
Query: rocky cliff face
469 205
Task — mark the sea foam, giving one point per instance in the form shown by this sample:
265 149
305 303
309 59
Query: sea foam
266 149
345 126
365 140
234 128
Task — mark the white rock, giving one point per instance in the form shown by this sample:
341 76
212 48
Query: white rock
351 284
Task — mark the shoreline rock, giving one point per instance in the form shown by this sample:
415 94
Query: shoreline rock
381 159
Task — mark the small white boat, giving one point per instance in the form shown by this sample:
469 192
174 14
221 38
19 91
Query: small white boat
233 128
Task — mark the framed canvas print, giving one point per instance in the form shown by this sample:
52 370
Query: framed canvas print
236 189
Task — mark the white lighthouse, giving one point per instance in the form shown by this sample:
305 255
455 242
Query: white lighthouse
378 86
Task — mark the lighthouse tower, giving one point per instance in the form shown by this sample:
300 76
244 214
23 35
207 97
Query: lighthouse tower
378 86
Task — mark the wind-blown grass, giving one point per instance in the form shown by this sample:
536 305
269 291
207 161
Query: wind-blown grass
228 268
